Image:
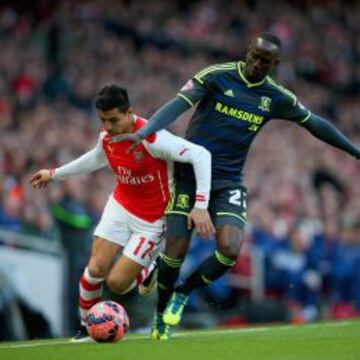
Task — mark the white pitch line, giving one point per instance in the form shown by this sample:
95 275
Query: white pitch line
63 342
50 343
181 334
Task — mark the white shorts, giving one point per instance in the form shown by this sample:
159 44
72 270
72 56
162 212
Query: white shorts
142 241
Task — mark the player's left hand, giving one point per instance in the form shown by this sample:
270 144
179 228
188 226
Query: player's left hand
133 137
202 222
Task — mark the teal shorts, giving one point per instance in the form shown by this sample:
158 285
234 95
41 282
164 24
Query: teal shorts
227 206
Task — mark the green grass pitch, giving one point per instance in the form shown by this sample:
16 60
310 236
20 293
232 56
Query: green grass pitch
320 341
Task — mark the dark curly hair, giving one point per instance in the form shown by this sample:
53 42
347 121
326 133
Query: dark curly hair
112 96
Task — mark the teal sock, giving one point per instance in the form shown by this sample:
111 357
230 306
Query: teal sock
209 270
169 270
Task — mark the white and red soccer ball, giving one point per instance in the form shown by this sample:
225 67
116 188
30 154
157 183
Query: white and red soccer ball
107 321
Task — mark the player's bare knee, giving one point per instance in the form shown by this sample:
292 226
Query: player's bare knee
176 247
117 285
231 251
97 269
113 284
229 241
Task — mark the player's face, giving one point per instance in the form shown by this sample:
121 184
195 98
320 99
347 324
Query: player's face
116 122
261 58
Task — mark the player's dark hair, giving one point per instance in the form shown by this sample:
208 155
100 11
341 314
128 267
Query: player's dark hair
112 96
271 38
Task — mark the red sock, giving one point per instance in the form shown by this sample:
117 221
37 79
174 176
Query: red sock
90 292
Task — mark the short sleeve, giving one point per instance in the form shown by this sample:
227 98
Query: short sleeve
198 87
289 108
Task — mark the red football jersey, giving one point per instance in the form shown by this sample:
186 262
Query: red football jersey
142 180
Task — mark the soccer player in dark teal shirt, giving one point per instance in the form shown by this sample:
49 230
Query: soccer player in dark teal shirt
234 101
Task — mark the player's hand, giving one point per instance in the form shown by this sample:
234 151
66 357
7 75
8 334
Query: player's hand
133 137
202 222
41 178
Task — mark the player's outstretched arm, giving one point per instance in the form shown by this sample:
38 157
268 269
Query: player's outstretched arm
325 131
92 160
88 162
162 117
191 93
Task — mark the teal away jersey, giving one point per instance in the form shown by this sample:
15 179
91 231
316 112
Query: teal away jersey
231 112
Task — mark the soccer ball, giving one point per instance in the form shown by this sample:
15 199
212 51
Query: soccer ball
107 321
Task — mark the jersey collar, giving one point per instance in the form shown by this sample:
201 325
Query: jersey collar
240 65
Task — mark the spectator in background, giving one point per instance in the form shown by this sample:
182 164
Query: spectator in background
75 226
300 284
321 251
345 275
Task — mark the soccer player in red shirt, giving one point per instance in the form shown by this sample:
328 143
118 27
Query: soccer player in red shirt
133 219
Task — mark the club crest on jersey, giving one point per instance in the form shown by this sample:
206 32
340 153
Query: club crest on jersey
183 201
138 155
188 86
229 93
265 103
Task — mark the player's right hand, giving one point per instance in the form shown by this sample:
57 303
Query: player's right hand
202 222
132 137
41 178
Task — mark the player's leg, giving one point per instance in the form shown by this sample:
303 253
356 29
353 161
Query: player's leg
122 277
228 243
170 262
169 265
229 218
177 243
90 286
147 279
139 255
230 221
91 281
127 274
110 236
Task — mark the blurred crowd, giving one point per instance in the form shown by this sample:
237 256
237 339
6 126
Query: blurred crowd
304 196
